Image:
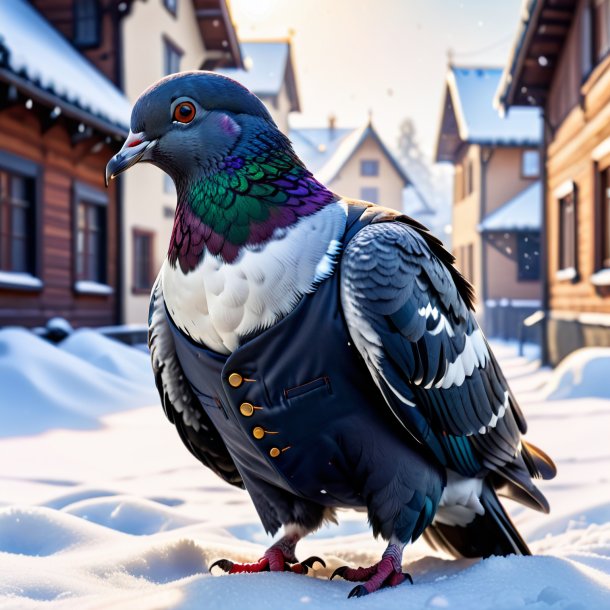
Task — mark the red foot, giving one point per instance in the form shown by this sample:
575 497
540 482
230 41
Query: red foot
386 573
272 561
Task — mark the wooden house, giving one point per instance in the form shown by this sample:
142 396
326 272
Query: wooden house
496 197
355 162
560 63
60 121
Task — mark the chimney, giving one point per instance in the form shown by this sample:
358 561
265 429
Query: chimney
332 123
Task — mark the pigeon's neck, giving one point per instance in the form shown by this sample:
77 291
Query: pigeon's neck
241 205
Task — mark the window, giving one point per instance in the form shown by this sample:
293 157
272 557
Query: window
370 193
91 234
605 217
567 232
171 6
530 164
587 50
17 238
142 260
369 167
468 177
601 20
171 57
86 23
528 257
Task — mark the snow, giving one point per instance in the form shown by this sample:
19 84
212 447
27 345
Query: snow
472 92
45 387
120 516
28 38
265 63
18 279
582 374
521 213
87 287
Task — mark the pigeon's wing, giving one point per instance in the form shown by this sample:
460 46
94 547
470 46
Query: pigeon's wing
179 402
410 315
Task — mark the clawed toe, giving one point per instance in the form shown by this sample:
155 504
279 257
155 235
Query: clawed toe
224 564
358 591
340 571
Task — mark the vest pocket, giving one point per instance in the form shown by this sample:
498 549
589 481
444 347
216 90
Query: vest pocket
321 386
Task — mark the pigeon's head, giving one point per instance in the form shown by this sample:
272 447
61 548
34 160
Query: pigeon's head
188 123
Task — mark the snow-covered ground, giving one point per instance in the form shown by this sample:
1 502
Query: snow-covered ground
102 507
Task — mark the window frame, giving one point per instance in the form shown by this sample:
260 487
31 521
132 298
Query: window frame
90 196
135 234
30 170
569 271
524 175
171 46
373 164
98 26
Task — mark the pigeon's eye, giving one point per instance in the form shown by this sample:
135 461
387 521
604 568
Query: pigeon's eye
184 112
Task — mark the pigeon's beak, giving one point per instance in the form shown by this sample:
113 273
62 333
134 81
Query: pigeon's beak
136 148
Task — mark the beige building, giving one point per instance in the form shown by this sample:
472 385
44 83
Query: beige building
355 163
270 74
174 35
497 197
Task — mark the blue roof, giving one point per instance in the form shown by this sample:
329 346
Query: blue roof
265 64
472 92
33 50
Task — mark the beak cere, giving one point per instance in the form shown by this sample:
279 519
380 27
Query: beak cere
135 148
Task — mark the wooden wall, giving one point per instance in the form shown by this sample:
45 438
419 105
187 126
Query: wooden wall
62 164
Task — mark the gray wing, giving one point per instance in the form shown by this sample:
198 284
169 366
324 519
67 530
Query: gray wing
179 402
408 312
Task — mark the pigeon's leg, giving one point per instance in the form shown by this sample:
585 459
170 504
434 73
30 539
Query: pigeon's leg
385 573
280 557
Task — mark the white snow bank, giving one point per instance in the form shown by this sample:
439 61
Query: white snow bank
109 355
584 373
129 515
44 387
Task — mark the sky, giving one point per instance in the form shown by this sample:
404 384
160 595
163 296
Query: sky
384 56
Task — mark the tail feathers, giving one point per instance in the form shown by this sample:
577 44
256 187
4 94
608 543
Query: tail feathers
538 462
490 534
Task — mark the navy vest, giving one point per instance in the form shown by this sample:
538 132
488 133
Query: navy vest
295 403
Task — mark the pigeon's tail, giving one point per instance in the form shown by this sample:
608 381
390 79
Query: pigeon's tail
492 533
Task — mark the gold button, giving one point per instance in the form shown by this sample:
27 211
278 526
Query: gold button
258 433
246 409
235 380
274 452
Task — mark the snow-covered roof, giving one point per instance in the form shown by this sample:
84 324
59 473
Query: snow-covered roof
33 52
469 111
521 213
473 91
267 65
325 151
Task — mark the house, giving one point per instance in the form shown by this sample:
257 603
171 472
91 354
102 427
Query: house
270 74
60 121
136 43
496 198
354 163
560 63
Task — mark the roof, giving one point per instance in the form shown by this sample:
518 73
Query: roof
37 58
218 33
539 42
267 66
469 115
521 213
325 151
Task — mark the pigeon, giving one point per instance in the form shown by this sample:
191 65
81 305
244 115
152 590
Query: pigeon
322 353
